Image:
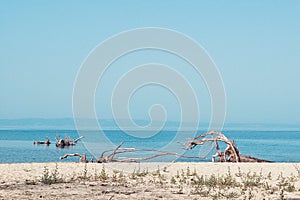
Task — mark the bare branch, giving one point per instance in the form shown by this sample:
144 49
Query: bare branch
82 157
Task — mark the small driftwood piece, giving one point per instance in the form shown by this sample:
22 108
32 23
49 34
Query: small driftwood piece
82 158
231 152
118 150
47 142
61 143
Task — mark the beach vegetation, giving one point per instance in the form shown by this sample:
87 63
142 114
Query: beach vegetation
177 174
173 180
281 195
114 177
51 178
188 171
84 174
103 175
297 167
269 176
165 170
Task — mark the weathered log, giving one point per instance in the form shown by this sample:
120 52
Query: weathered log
47 142
82 158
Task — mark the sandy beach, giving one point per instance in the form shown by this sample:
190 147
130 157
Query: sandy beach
150 181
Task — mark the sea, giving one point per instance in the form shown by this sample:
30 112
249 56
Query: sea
16 145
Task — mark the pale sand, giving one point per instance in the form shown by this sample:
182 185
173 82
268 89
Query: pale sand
23 181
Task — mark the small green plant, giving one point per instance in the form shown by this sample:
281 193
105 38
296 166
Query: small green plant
177 174
297 169
215 195
200 191
182 174
140 173
211 181
103 175
121 178
280 176
133 175
95 174
114 176
194 173
180 190
46 177
199 180
121 175
161 180
290 188
250 194
157 172
281 195
173 181
188 171
51 178
251 180
165 169
84 175
231 195
228 180
269 176
55 175
266 186
239 173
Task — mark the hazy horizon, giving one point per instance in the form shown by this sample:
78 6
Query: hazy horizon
109 124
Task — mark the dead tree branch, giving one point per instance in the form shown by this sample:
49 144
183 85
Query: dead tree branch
82 158
118 150
231 152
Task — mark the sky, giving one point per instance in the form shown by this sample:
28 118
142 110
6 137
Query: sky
254 44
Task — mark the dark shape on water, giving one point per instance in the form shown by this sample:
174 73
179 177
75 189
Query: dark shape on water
61 143
47 142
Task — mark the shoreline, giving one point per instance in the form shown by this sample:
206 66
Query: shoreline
148 180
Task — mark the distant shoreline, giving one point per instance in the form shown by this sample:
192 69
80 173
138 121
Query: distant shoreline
110 125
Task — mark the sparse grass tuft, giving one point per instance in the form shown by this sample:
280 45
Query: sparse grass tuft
103 175
297 167
51 178
230 185
173 180
84 175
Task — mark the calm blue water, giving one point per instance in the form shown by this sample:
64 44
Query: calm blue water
17 145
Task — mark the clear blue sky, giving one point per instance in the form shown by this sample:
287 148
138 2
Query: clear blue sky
255 44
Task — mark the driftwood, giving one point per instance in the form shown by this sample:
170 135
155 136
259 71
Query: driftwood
231 152
82 158
118 150
61 143
47 142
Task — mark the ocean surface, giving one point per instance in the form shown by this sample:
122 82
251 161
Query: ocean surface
17 146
